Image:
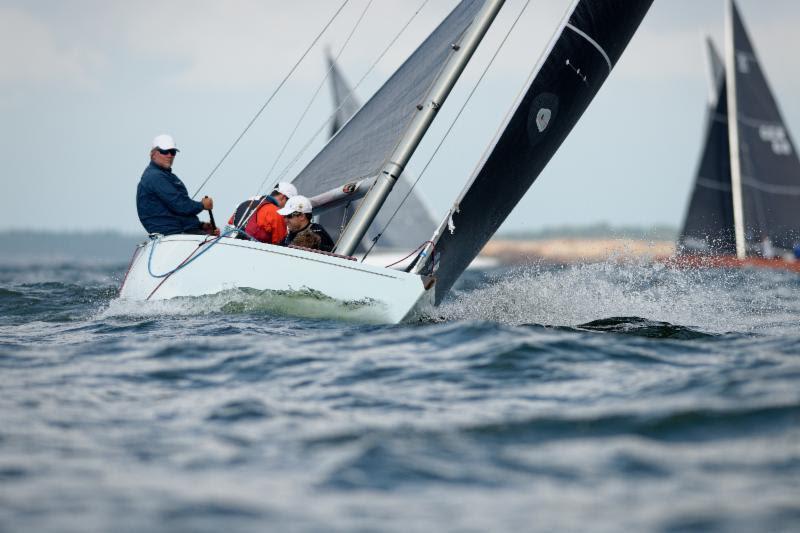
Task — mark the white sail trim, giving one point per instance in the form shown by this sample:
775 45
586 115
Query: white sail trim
712 184
786 190
593 43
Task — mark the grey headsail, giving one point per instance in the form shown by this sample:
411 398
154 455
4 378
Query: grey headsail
345 104
716 72
579 59
360 148
414 222
708 226
764 164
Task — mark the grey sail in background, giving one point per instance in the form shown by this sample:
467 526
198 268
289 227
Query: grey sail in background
579 60
345 104
716 72
769 170
708 226
413 223
361 147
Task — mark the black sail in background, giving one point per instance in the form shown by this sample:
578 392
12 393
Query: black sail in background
708 226
579 61
413 223
770 170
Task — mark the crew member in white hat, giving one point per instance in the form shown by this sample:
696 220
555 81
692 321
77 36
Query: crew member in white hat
259 218
303 232
162 202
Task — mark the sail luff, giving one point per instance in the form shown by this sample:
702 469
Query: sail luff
733 133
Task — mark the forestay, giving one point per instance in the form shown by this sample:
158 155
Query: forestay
578 61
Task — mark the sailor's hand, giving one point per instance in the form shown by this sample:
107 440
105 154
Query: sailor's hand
205 226
208 203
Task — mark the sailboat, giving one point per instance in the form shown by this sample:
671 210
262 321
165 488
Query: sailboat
745 206
369 153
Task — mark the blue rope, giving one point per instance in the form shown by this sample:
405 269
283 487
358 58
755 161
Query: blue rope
187 263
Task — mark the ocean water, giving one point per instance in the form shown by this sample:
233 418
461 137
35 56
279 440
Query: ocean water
608 397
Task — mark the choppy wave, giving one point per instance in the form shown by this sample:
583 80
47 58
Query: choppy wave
604 397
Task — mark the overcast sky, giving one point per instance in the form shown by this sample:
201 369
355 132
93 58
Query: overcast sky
86 85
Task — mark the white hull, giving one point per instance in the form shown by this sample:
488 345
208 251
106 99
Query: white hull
234 263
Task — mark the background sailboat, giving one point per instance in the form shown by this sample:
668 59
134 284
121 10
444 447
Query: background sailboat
746 199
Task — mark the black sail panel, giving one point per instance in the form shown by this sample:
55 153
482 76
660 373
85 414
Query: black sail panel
770 170
708 227
579 61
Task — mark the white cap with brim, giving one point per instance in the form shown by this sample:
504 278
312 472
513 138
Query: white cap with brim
286 189
165 142
296 204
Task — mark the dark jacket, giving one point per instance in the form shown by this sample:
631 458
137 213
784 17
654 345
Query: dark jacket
312 236
163 203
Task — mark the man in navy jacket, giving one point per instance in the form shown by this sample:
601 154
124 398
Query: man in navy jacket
162 201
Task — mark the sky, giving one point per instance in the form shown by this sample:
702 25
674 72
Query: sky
86 85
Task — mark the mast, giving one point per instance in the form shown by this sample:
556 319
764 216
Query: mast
391 171
733 133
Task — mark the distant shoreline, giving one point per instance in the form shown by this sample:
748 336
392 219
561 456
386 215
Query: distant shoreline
566 244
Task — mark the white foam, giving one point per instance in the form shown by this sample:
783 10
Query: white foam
302 303
714 301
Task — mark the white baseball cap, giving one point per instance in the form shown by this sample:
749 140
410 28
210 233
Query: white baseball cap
296 204
165 142
286 189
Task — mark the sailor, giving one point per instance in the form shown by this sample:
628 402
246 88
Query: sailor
162 202
265 225
303 232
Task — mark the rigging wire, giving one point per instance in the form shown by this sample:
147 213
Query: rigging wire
450 128
274 93
316 134
314 97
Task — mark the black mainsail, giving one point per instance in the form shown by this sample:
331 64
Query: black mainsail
588 44
765 170
708 226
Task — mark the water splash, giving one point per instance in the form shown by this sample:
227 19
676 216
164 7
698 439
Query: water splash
708 299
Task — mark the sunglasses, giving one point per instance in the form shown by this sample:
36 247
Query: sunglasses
292 215
171 151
